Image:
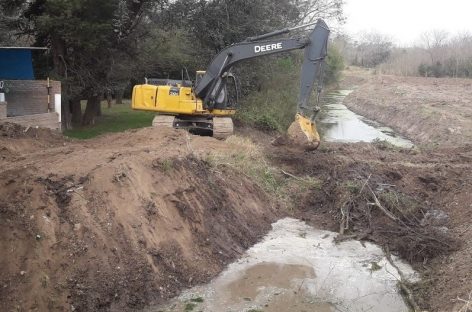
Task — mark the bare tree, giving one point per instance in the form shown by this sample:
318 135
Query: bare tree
314 9
434 41
372 49
436 54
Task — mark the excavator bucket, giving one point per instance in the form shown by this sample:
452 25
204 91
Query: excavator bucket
303 132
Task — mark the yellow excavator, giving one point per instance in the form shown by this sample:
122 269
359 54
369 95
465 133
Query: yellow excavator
206 105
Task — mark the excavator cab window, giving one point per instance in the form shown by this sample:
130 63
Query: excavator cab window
199 76
228 96
233 91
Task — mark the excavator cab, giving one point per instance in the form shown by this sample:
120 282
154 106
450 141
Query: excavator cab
228 98
199 76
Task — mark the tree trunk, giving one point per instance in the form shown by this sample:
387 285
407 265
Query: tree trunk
66 117
119 96
91 110
99 106
109 99
76 111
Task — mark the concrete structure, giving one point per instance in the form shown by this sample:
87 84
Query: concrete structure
28 103
29 97
3 110
34 103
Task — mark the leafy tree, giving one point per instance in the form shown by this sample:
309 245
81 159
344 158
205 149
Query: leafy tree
87 38
98 47
334 65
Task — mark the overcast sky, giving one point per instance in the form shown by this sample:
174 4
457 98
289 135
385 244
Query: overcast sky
405 20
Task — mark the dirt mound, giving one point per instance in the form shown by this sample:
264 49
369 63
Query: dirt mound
11 130
16 141
121 221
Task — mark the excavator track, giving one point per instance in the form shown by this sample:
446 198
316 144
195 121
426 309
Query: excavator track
163 121
222 127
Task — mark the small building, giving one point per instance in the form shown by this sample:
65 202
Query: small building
24 99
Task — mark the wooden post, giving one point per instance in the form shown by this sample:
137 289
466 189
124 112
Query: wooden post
3 110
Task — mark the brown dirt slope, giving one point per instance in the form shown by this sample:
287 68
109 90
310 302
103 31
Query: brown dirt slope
437 115
117 222
430 111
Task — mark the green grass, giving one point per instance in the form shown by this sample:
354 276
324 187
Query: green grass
119 117
189 307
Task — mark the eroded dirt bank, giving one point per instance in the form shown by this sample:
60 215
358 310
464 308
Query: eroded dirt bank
430 111
437 115
118 222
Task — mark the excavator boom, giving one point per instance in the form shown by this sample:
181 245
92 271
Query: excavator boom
315 46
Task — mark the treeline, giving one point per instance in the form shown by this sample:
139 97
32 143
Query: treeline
436 54
104 47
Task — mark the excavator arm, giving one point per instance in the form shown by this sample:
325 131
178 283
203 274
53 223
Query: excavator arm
315 45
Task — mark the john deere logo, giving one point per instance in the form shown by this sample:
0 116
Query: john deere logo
268 47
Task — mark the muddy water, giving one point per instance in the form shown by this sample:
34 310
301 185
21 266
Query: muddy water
337 123
297 268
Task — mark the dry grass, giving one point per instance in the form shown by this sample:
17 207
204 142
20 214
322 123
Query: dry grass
248 158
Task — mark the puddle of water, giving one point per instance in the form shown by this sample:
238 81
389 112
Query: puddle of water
267 274
298 268
339 124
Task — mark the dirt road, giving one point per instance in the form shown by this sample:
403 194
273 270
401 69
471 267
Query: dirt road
126 220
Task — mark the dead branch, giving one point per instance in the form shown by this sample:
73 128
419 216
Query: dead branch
363 185
295 177
467 303
345 209
291 175
379 205
403 283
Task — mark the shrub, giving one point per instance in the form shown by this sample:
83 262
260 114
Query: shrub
266 122
334 66
272 106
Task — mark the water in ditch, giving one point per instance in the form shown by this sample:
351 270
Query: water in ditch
298 268
336 123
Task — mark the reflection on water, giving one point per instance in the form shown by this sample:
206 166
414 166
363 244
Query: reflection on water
336 123
298 268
